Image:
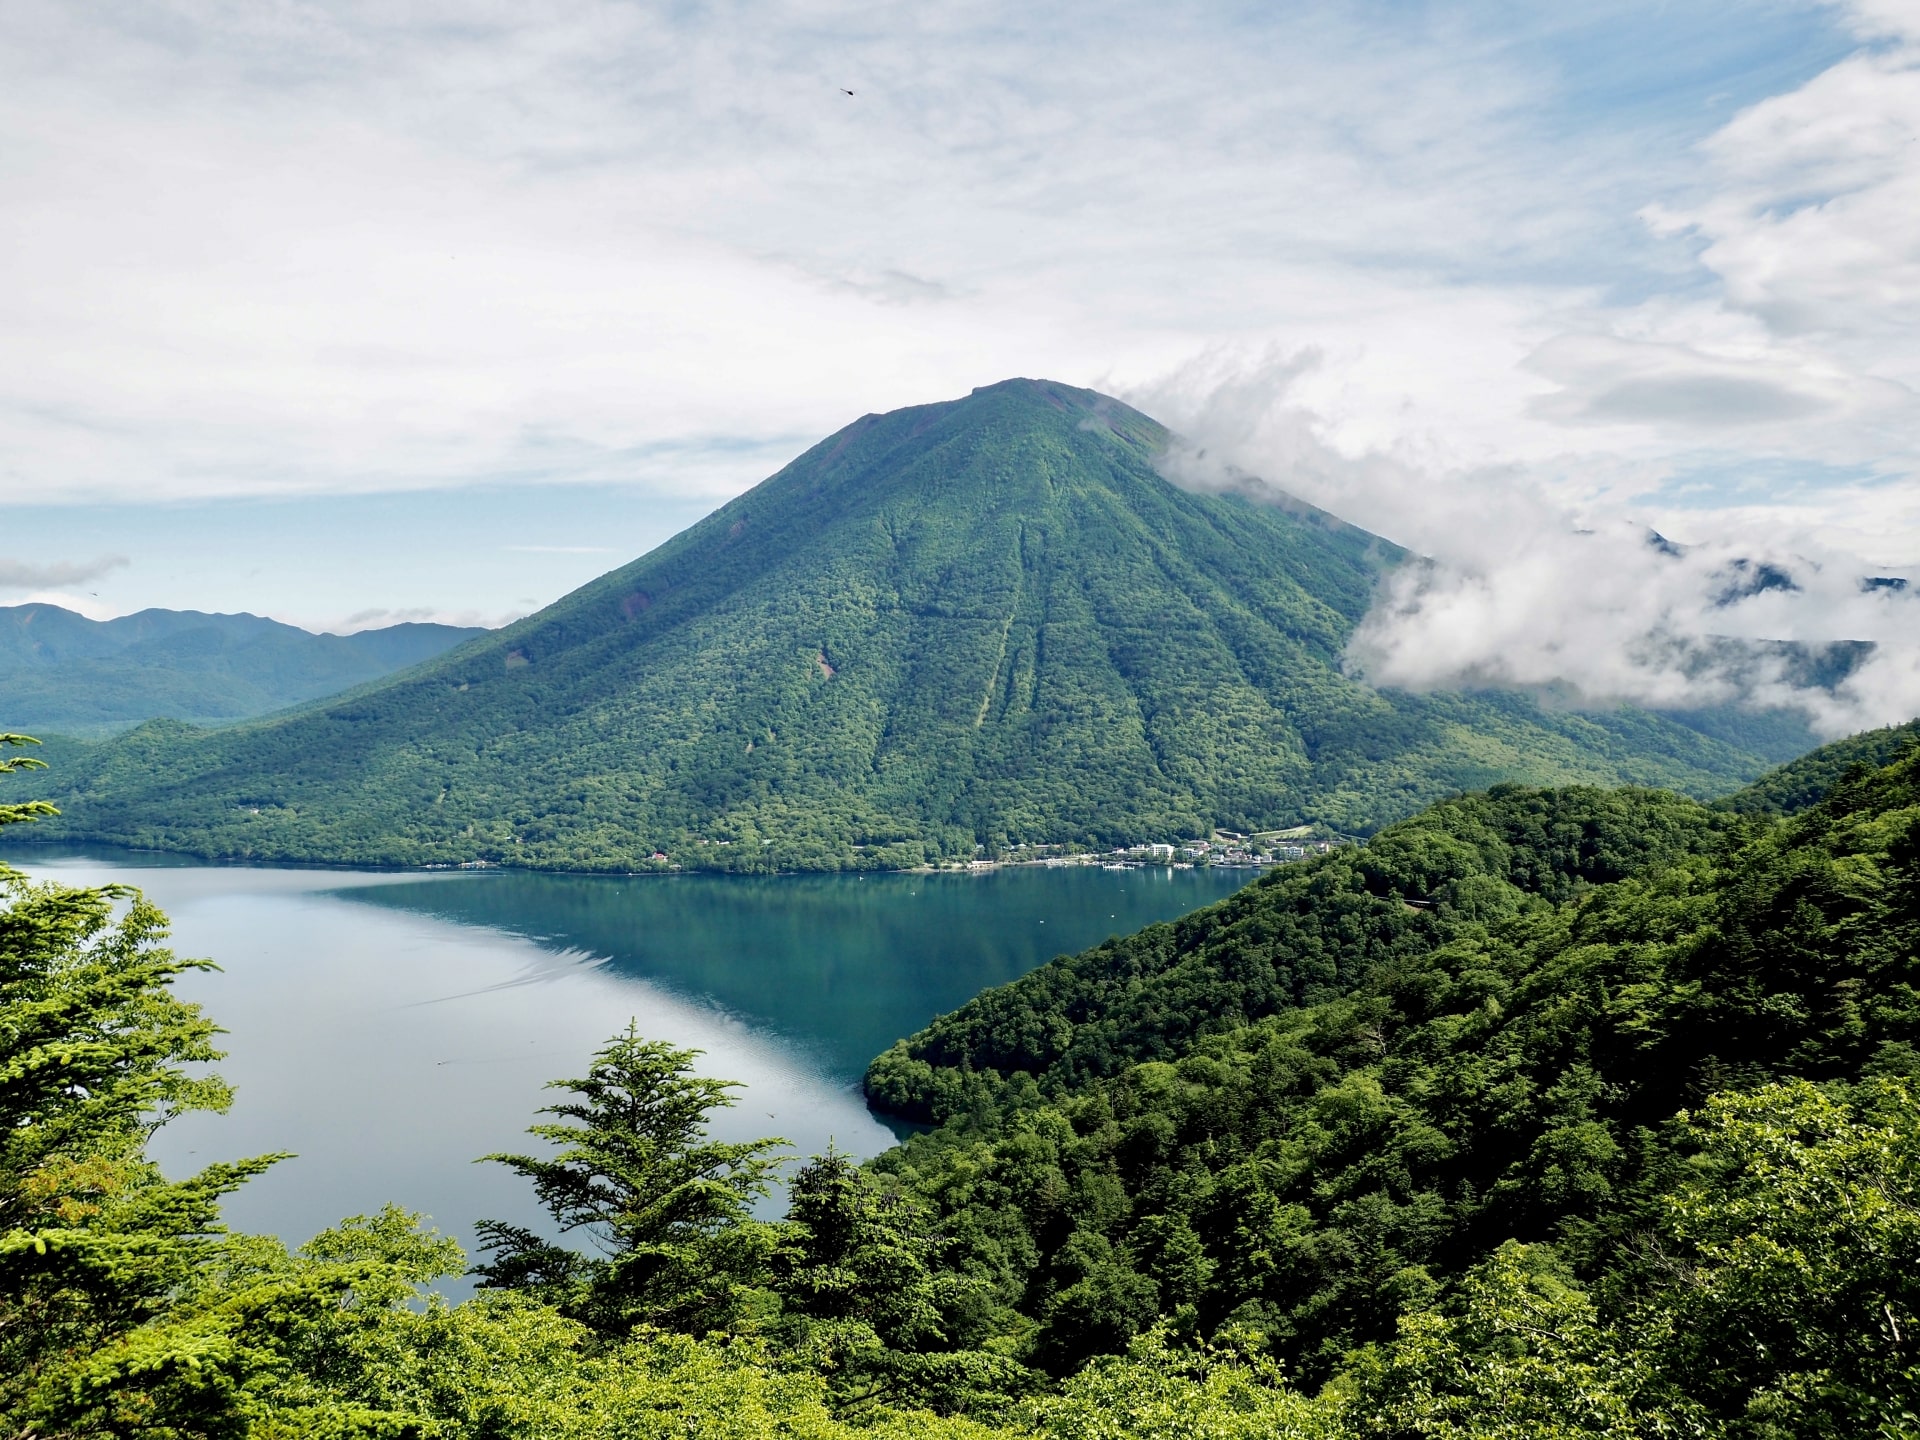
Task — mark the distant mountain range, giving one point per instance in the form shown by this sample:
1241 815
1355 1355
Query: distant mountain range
956 625
63 673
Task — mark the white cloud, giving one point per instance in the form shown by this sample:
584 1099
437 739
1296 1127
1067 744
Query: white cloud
1610 616
379 619
1675 388
1807 342
38 575
1516 580
1881 19
348 246
1791 352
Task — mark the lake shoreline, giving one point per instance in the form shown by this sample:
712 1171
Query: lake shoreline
466 992
165 858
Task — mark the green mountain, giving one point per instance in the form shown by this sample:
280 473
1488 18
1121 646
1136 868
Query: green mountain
63 673
967 624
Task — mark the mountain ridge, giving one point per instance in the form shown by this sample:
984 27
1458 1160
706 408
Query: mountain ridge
64 673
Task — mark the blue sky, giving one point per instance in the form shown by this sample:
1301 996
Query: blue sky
499 550
322 309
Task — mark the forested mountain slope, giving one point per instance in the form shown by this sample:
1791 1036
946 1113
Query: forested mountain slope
961 624
1299 935
1804 782
1306 1111
65 674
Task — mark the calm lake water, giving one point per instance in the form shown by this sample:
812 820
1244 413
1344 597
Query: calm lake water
390 1027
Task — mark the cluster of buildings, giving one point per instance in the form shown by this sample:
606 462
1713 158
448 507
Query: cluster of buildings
1225 849
1231 849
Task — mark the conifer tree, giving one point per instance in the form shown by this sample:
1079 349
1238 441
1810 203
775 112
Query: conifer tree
669 1210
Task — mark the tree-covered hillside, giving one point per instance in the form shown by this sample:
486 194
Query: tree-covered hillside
1300 935
1306 1113
1803 782
65 674
962 624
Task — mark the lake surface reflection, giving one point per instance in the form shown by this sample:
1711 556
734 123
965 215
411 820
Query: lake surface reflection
388 1027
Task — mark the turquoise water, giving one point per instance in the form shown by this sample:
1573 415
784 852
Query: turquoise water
839 967
391 1027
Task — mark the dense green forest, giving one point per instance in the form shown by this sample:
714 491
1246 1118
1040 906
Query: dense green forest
967 624
63 673
1800 784
1308 933
1547 1113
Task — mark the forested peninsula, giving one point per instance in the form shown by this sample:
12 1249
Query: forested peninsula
939 633
1549 1112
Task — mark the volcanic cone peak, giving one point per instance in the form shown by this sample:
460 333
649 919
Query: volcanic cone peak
973 623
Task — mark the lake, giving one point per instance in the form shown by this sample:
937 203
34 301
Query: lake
389 1027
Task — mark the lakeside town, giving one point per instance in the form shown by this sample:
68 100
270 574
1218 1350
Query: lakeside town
1227 849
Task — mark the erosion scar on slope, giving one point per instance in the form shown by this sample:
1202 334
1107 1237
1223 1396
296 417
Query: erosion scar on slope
1013 608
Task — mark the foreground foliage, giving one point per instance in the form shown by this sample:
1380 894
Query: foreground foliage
1548 1114
669 1212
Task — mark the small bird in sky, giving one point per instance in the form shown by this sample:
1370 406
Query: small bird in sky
845 91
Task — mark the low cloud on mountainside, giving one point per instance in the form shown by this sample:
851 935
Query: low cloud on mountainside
1765 415
1514 585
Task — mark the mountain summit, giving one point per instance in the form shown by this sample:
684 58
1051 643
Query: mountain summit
984 621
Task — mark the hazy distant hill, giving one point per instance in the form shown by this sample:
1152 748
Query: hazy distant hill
64 673
956 624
